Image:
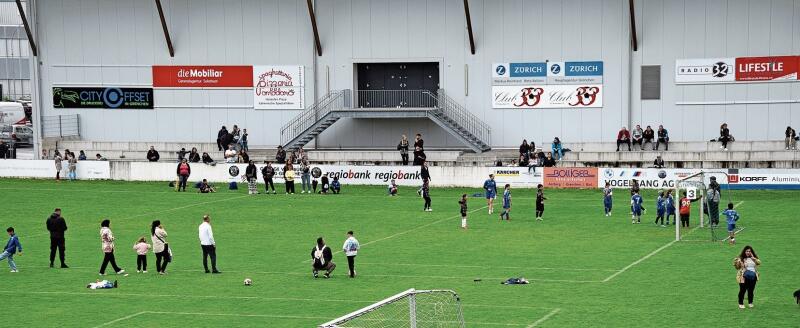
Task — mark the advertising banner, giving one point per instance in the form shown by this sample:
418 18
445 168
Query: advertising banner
519 73
93 97
20 168
203 76
278 87
570 177
705 70
548 96
761 179
556 72
778 68
647 178
517 176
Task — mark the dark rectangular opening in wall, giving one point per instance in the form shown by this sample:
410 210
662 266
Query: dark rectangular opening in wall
392 85
651 82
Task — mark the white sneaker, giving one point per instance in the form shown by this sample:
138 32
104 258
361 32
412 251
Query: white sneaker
144 271
741 306
120 271
720 147
14 271
137 271
726 149
750 305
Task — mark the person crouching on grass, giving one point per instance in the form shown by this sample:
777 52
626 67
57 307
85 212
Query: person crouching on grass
392 188
636 208
463 203
731 216
506 202
322 259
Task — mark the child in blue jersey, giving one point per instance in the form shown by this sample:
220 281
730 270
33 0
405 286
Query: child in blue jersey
661 208
636 207
670 205
490 186
506 203
731 216
607 193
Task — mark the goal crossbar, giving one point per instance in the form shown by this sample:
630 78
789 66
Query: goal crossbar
376 306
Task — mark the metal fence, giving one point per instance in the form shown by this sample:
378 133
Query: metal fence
60 126
394 99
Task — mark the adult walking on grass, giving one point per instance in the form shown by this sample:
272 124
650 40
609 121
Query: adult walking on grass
160 246
56 225
746 265
107 240
183 171
208 244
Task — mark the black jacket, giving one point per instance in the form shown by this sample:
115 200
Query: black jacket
251 171
327 256
419 156
56 225
424 173
268 172
194 157
419 143
280 156
549 162
648 134
658 163
207 159
152 155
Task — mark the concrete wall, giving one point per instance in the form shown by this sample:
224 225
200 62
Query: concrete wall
114 42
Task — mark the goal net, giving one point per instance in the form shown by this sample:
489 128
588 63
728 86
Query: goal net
697 187
411 308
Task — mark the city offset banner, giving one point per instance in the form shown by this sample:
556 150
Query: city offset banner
203 76
278 87
100 97
738 69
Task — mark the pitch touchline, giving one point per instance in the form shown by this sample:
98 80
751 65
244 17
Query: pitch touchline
121 319
543 319
612 276
410 230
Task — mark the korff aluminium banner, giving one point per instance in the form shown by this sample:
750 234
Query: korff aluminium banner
547 96
203 76
278 87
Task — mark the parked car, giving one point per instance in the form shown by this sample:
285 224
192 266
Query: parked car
20 134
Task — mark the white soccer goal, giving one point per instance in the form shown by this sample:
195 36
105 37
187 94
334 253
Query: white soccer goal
411 308
695 186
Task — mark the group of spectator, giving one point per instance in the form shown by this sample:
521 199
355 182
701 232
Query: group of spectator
192 156
642 137
236 138
532 157
418 152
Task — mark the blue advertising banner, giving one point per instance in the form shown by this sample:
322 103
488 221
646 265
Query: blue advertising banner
587 68
551 72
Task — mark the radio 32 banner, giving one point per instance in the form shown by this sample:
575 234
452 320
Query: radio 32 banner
547 96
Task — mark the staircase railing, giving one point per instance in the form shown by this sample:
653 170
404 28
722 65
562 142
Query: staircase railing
334 100
393 99
461 116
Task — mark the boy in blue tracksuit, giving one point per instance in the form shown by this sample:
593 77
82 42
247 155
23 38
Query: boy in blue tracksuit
670 204
506 203
11 248
607 201
661 208
731 216
636 207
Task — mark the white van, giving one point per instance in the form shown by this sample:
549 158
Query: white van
12 113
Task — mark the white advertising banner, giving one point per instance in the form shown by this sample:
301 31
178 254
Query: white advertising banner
647 178
548 96
278 87
705 70
19 168
516 176
758 178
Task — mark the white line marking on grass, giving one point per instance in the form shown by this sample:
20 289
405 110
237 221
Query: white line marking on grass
653 252
121 319
735 233
410 230
480 266
543 319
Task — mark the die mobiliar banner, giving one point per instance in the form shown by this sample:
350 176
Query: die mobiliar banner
203 76
738 69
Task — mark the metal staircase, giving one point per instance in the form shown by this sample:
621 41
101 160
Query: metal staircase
438 107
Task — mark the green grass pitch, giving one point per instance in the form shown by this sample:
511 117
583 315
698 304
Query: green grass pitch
574 259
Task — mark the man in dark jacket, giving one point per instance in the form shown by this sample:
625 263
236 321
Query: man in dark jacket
222 135
424 173
322 259
152 154
57 226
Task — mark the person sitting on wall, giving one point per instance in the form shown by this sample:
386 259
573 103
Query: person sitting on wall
419 156
194 157
624 138
181 154
648 136
230 155
207 159
99 158
638 136
663 137
659 162
280 155
152 154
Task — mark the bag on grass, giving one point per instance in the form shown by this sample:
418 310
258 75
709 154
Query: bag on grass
515 281
233 186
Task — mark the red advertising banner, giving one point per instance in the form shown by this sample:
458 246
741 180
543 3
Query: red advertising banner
203 76
767 68
570 177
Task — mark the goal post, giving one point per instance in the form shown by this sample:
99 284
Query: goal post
696 186
411 308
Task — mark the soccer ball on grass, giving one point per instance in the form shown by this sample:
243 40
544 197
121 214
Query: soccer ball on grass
248 282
